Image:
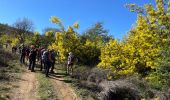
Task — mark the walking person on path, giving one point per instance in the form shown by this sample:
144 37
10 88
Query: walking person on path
47 61
32 58
70 64
23 53
42 66
27 54
53 55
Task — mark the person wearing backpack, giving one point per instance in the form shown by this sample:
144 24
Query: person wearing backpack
45 58
47 61
70 64
53 55
42 64
32 58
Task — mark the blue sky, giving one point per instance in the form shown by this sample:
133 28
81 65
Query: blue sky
116 18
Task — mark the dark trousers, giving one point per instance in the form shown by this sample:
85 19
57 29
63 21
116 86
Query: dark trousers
41 67
47 67
31 64
22 59
52 66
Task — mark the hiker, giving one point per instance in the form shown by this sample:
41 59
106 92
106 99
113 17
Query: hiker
70 63
39 54
23 53
27 54
47 61
53 55
32 58
42 59
36 58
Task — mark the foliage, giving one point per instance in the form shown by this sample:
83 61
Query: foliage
65 42
9 39
96 33
145 50
36 39
14 42
3 39
68 41
91 42
88 53
21 29
85 47
76 25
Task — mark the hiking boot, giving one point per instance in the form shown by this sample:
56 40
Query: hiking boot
32 70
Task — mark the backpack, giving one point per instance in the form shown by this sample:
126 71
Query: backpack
45 56
70 59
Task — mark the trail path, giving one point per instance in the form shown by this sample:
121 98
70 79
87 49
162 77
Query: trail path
27 87
64 91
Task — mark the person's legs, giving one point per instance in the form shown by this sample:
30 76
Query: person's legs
47 68
33 65
27 59
45 65
30 64
67 71
47 71
41 65
21 57
71 69
52 67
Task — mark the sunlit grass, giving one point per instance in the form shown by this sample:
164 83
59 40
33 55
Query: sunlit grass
45 88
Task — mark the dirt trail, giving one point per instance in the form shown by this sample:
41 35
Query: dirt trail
27 87
64 91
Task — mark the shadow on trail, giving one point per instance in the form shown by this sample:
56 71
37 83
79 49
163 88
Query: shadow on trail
57 76
68 81
65 81
64 74
60 77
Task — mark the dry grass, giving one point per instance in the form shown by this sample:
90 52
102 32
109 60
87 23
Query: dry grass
118 90
9 73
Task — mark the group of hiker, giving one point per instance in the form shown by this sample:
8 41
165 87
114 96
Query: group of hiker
46 58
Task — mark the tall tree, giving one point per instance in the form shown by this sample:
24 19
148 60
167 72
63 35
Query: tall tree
22 28
95 33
